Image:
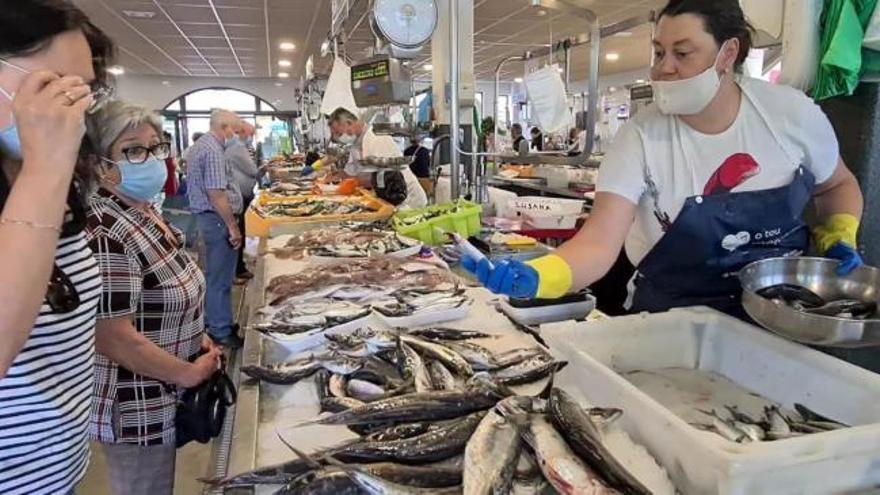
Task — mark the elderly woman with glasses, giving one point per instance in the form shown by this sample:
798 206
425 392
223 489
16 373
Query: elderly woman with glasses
150 317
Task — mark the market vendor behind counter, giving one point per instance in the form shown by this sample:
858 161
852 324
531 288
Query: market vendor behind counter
399 187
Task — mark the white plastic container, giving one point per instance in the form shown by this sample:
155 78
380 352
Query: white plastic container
541 206
426 318
756 366
547 314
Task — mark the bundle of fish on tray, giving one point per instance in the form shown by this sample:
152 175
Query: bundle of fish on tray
740 427
296 187
297 316
312 207
804 300
349 240
436 415
388 272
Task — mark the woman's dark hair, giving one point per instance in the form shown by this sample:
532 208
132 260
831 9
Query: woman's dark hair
723 19
29 27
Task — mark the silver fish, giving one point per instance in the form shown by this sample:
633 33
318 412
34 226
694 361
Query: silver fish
561 467
337 386
491 456
414 369
528 371
480 358
441 377
339 404
451 359
516 356
375 485
364 390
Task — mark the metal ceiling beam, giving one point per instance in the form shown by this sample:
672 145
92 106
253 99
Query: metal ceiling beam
144 36
269 70
141 60
184 35
226 35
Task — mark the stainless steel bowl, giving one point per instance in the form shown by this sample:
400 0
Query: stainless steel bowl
818 275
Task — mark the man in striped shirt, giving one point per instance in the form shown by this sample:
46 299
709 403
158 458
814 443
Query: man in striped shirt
216 201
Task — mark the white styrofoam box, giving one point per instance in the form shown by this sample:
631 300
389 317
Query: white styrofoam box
547 314
540 206
759 365
551 221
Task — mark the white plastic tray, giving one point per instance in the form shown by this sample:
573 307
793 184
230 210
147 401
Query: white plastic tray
755 366
426 318
547 314
310 340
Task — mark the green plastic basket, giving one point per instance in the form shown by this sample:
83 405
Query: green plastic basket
464 220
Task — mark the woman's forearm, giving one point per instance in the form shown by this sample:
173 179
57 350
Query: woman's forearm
118 340
27 253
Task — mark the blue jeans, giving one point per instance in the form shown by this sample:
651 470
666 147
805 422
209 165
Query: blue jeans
220 261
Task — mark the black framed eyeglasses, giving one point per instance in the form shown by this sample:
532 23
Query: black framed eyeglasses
61 295
139 154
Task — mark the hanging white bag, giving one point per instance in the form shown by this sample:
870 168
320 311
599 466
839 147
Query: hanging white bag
548 98
338 93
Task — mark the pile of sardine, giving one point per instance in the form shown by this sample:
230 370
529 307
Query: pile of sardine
386 271
806 301
740 427
305 317
435 415
310 208
352 240
297 187
412 302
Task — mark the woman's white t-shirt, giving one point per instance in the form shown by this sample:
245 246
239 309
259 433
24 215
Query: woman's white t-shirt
777 129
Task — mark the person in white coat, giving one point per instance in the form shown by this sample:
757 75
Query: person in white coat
349 130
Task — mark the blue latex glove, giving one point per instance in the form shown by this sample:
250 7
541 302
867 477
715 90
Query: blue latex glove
307 170
850 259
509 277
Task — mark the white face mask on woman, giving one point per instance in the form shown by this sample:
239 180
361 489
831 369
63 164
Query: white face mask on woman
688 96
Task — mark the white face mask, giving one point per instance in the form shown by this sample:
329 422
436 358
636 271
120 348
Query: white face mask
688 96
347 139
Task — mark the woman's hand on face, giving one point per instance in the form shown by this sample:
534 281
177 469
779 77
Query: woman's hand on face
49 113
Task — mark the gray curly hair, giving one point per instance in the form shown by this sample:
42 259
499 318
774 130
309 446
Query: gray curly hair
104 127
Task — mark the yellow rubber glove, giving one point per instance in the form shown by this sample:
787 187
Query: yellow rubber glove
317 165
841 227
554 276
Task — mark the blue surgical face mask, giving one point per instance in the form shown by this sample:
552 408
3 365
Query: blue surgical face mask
10 143
249 141
141 181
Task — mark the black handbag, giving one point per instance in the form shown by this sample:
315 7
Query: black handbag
390 185
202 410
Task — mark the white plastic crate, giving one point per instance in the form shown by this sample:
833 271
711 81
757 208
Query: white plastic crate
751 367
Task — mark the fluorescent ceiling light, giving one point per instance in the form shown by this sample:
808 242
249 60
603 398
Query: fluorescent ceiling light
116 70
139 14
287 46
428 67
283 75
612 56
640 81
284 63
517 79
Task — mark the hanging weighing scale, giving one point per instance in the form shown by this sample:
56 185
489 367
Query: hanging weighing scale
403 27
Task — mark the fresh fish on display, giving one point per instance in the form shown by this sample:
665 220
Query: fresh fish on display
351 240
480 358
322 385
364 391
561 466
413 369
517 356
804 300
528 371
452 360
298 208
337 385
339 404
415 407
404 430
408 304
491 456
411 476
386 271
317 315
811 416
585 439
321 482
442 333
377 485
441 377
379 372
292 372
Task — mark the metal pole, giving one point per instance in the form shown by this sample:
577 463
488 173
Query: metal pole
454 126
567 68
593 96
497 94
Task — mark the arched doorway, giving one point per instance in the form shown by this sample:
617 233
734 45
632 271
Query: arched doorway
190 113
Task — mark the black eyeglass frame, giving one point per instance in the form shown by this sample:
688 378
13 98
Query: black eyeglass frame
155 150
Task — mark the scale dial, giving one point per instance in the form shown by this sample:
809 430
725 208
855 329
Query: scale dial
406 23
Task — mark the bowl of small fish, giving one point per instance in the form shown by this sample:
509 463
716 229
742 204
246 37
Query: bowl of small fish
803 299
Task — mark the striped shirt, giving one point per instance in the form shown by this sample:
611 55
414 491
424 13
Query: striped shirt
207 169
46 395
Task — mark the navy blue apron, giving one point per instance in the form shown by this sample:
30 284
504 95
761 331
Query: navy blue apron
696 261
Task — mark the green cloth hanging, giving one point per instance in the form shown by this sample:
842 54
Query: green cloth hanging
842 59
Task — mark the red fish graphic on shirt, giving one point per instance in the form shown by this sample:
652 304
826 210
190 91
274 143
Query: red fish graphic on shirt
736 170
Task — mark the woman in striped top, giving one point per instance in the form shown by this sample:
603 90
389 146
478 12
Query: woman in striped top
51 61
